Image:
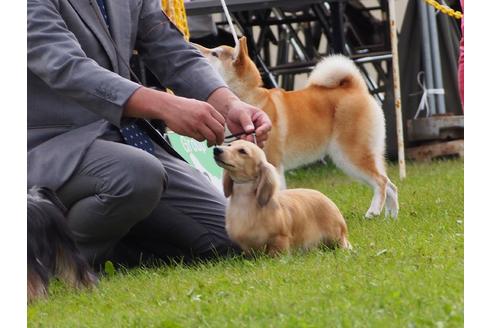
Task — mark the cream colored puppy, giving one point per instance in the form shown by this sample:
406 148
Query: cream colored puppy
260 217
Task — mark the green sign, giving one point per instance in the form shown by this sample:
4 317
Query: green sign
199 156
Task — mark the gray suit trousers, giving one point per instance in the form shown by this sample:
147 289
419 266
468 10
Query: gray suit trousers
129 206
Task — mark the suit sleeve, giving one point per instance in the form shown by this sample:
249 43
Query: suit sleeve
56 57
176 63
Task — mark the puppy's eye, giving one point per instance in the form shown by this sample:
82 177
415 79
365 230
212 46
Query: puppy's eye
241 151
215 54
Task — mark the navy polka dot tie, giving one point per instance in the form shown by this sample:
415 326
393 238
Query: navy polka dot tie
104 12
135 136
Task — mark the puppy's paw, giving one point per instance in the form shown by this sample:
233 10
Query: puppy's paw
346 245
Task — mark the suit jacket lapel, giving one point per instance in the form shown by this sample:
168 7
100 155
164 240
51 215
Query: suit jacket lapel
119 17
89 12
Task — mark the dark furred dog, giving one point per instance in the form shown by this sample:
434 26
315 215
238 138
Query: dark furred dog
51 250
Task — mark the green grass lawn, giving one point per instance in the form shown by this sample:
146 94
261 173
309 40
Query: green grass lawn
404 273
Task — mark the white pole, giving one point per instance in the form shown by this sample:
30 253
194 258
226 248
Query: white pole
233 30
396 89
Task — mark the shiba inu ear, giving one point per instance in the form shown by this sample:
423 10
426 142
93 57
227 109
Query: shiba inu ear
243 45
267 184
243 51
227 183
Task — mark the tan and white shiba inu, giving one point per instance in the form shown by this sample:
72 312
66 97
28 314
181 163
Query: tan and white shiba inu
333 115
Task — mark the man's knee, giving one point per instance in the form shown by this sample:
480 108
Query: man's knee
137 186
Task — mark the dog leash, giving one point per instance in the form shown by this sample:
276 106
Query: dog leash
233 137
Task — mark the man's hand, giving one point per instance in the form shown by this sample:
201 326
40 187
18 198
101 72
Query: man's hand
243 117
240 116
189 117
195 119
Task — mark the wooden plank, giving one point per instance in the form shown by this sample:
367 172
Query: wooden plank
431 151
438 127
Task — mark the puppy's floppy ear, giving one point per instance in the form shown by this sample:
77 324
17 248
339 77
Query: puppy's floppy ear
267 184
243 51
227 183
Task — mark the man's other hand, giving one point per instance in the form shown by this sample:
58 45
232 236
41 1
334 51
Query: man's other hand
189 117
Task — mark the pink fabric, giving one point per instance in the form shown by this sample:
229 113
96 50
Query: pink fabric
461 63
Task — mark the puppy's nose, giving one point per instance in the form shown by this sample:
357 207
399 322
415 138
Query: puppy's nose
218 151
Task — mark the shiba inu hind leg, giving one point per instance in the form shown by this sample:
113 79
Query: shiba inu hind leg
369 168
391 205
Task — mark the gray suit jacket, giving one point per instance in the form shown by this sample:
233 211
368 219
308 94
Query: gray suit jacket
78 83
